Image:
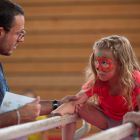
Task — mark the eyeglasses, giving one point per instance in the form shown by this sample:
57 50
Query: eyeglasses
21 34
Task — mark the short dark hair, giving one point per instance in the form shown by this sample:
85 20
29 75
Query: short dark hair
8 11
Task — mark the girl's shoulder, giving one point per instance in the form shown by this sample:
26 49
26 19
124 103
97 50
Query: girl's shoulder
87 85
136 78
136 74
136 81
98 84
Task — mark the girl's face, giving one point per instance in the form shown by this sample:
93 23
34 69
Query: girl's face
106 65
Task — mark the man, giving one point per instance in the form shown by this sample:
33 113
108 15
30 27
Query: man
11 33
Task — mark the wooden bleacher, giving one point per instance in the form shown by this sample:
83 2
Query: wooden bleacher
60 35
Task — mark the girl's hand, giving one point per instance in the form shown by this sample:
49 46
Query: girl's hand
78 108
53 114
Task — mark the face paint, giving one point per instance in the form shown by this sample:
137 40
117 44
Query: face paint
102 63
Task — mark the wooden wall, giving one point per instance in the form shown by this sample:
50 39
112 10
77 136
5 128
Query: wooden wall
59 40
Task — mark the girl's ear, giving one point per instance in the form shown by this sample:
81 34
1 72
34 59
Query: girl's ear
1 31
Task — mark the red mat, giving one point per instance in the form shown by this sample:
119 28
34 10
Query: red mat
55 138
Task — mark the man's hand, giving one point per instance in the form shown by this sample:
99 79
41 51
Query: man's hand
132 117
47 105
30 111
68 98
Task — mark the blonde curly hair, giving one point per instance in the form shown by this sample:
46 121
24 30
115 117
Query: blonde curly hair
124 54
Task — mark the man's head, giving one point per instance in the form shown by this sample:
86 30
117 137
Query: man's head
11 26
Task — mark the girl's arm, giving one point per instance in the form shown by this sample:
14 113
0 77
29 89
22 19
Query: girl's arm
68 108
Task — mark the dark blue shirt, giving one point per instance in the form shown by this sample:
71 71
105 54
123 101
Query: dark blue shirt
3 85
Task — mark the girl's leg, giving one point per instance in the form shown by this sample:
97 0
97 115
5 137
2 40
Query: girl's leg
68 131
90 114
93 116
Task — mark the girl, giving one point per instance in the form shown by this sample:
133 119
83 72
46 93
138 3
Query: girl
113 80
